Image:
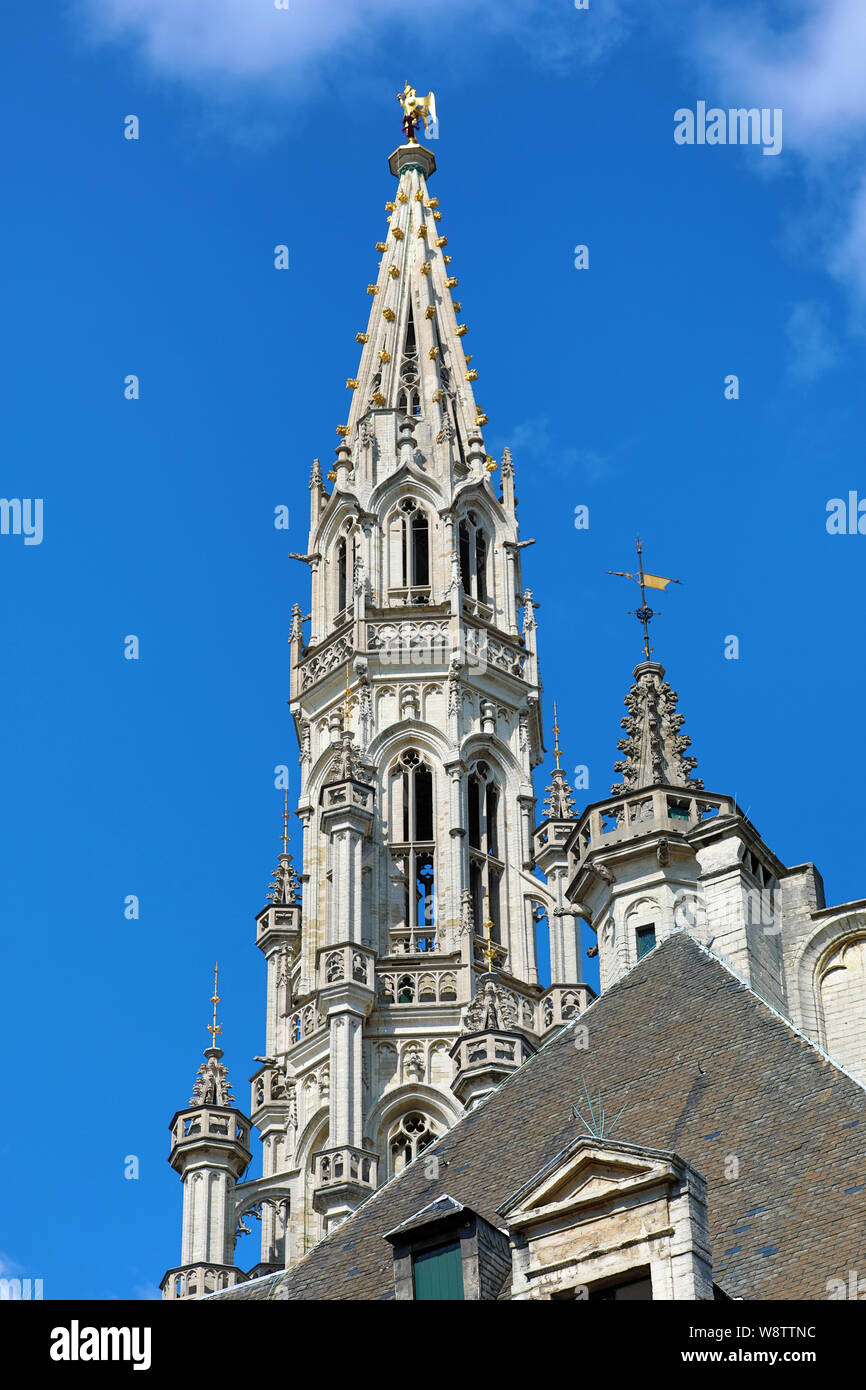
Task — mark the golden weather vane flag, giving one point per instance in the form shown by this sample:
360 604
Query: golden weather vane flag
645 614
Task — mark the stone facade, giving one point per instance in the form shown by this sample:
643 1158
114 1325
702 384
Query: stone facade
416 700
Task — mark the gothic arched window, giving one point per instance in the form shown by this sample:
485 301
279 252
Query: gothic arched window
409 396
473 552
344 560
410 1136
413 853
486 864
409 553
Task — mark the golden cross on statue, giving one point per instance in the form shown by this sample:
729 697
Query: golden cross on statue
491 949
556 748
286 824
644 614
214 1028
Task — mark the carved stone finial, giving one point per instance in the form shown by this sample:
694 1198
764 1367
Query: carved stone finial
654 748
212 1085
559 798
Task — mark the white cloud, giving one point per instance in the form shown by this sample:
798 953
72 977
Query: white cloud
813 69
243 40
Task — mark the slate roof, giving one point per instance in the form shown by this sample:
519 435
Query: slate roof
703 1067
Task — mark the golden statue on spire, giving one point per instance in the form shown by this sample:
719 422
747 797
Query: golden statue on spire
416 109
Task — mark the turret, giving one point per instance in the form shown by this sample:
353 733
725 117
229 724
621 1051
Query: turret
210 1151
662 854
551 855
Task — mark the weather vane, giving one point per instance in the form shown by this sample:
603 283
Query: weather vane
416 109
214 1028
644 614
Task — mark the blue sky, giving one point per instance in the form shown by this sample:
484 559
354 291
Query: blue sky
155 257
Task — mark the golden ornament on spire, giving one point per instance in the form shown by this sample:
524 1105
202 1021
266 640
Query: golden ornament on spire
214 1028
556 748
415 110
286 824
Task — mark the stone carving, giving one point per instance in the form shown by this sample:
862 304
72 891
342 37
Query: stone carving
337 653
212 1085
559 798
284 891
654 748
492 1010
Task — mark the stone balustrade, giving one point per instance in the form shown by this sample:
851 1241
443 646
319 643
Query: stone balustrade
436 984
206 1122
561 1003
336 1167
193 1281
345 962
655 808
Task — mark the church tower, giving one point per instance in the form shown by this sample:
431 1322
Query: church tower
416 699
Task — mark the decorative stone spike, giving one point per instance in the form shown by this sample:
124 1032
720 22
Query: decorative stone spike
654 748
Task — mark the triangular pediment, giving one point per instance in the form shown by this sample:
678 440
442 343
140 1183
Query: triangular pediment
590 1173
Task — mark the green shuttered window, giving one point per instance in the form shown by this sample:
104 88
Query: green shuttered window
439 1273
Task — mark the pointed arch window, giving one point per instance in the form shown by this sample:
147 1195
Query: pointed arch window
344 572
413 854
409 1137
409 395
484 834
409 554
473 549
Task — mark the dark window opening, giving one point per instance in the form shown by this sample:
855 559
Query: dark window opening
341 575
646 940
420 549
481 566
464 558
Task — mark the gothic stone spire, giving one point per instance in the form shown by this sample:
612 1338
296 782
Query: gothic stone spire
654 748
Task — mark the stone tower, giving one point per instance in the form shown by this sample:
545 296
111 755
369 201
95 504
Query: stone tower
210 1151
415 695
